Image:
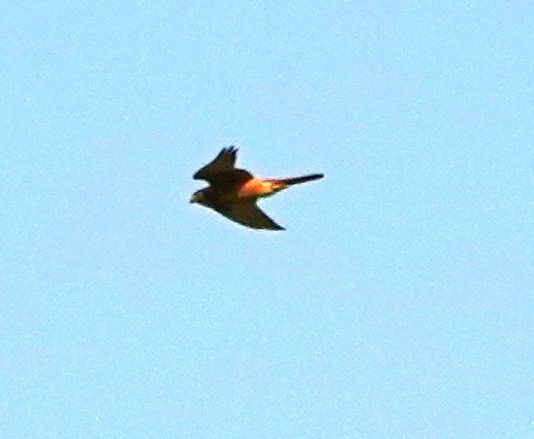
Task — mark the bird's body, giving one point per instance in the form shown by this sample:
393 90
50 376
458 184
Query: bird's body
234 192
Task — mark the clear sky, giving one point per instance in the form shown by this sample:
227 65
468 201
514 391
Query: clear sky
398 303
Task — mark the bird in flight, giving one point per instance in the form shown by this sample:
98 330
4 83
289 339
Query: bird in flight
234 192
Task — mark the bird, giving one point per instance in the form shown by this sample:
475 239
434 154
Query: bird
234 192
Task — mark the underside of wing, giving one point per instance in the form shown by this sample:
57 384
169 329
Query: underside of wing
249 214
224 162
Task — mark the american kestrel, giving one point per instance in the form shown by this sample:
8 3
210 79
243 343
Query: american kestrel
234 192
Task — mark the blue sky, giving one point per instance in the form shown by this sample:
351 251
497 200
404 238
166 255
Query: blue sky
398 303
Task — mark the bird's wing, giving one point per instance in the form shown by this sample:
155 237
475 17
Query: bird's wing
223 163
248 214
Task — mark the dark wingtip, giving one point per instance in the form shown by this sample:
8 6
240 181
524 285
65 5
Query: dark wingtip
232 150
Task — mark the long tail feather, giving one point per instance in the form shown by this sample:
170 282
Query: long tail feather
302 179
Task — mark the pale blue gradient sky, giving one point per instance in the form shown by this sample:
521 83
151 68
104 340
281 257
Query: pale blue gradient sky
398 303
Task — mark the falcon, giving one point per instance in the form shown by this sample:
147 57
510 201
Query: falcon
234 192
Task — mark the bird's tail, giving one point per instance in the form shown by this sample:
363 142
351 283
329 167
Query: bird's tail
298 180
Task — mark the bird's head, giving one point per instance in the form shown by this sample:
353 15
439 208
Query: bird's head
198 197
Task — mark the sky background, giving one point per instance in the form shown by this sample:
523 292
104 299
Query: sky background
398 303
